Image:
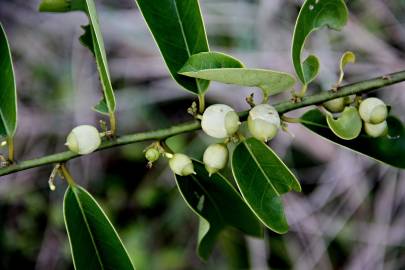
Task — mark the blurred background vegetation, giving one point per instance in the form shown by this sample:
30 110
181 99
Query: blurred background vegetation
351 212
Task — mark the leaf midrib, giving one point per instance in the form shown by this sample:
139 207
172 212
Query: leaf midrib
88 228
260 168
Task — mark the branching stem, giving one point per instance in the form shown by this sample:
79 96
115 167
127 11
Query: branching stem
283 107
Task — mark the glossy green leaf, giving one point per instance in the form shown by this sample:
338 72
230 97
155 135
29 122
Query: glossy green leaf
92 39
178 29
347 58
262 178
348 125
93 240
315 14
389 149
208 61
218 205
8 94
101 107
311 68
271 82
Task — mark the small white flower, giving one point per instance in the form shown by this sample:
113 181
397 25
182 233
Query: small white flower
181 165
377 130
215 158
220 121
83 139
264 122
373 110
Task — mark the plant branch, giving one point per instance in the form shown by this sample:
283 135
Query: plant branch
283 107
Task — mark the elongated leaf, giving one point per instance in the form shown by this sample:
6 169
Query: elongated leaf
218 205
389 149
262 177
8 94
208 61
348 125
92 39
310 68
178 29
271 82
94 242
315 14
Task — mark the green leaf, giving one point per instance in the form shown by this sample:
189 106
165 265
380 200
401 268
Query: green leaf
225 69
315 14
311 68
218 205
348 125
101 107
8 94
93 240
208 61
178 29
92 39
347 58
262 177
389 149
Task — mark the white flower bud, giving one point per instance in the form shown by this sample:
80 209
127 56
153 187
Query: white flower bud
335 105
373 110
152 154
264 122
181 165
377 130
215 158
220 121
83 139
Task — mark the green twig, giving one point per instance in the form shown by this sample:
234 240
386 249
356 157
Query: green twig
283 107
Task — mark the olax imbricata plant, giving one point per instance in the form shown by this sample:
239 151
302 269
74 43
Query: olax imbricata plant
344 116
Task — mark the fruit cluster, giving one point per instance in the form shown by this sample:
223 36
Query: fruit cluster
372 111
220 121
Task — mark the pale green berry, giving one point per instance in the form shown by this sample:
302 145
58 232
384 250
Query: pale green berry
181 165
83 139
152 154
377 130
220 121
215 158
264 122
373 110
336 105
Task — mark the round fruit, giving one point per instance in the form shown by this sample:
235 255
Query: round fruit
152 154
215 158
264 122
335 105
181 165
373 110
377 130
83 140
220 121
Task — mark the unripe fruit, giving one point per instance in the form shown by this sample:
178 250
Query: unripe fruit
220 121
83 139
215 158
377 130
181 165
152 154
264 122
335 105
373 110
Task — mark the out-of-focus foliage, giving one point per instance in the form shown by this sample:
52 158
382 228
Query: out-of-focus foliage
350 215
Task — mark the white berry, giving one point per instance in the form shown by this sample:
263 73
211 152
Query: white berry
215 158
220 121
181 165
264 122
377 130
83 139
335 105
373 110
